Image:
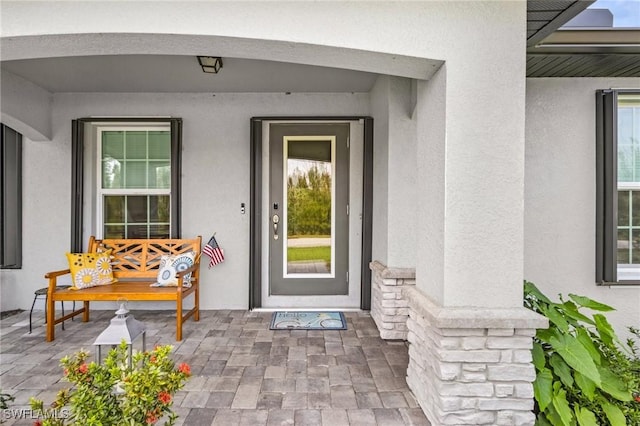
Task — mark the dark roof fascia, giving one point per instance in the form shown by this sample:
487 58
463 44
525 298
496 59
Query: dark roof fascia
562 18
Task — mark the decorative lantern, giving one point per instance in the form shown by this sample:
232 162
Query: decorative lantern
210 64
122 327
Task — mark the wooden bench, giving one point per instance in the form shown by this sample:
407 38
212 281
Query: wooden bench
135 264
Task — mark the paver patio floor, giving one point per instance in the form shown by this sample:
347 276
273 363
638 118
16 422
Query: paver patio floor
242 372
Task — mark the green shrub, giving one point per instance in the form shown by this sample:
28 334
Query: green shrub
116 392
584 375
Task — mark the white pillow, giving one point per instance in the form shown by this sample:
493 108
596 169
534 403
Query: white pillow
170 264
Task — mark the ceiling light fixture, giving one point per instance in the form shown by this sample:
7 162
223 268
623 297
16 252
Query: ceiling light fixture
210 64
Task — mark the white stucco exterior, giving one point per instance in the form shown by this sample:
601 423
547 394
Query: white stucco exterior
560 193
469 198
482 260
395 172
215 180
22 99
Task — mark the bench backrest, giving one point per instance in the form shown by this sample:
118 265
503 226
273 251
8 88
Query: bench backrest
137 258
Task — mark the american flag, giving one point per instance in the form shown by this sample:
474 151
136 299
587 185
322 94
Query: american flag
213 250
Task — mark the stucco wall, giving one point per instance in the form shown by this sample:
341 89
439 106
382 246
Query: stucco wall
428 29
379 96
26 107
395 173
560 193
431 129
402 177
215 179
482 229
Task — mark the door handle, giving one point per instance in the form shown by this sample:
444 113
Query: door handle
275 219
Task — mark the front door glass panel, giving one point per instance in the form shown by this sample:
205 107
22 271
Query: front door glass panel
309 193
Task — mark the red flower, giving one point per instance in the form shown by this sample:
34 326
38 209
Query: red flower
153 359
151 418
37 423
66 372
184 368
164 397
83 368
637 398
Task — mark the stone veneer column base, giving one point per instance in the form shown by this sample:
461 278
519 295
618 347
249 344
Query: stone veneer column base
471 366
389 308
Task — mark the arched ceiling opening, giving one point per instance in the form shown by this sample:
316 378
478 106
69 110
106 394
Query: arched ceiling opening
167 63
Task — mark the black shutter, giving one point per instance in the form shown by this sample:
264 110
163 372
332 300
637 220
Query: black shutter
606 186
176 173
77 182
11 198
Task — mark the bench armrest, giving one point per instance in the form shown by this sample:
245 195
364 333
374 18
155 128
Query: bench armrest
55 274
191 269
53 279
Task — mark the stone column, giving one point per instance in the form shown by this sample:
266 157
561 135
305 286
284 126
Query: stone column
471 366
469 335
389 306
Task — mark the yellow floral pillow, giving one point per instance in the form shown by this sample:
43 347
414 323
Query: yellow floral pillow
90 269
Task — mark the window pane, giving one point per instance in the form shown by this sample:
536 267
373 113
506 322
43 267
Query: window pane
159 231
635 208
137 231
112 155
159 174
114 231
136 174
114 208
137 211
160 145
159 207
625 163
113 144
136 143
111 173
635 246
623 208
623 246
628 138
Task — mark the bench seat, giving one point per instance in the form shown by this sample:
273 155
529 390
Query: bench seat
129 290
135 265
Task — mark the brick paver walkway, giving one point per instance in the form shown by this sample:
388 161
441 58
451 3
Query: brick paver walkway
243 373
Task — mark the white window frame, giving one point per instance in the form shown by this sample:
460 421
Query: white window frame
101 192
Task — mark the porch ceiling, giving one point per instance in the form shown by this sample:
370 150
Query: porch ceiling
183 74
553 52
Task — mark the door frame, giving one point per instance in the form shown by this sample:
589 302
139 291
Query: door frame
255 206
